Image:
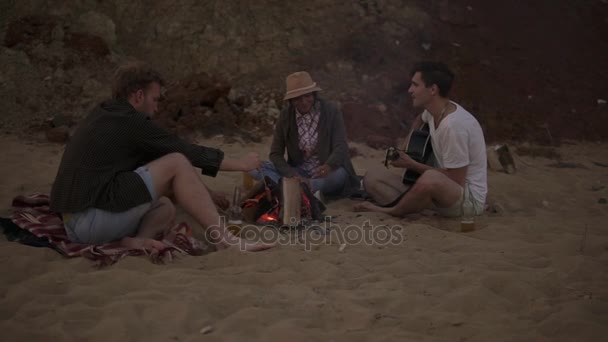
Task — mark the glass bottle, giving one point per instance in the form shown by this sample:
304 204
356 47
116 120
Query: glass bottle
467 221
247 181
235 211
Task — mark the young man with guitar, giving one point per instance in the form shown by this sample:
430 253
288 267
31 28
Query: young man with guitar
458 146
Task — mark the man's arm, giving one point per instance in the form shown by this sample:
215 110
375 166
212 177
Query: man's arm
250 162
458 175
157 142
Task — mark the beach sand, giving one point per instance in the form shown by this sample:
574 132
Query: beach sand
535 271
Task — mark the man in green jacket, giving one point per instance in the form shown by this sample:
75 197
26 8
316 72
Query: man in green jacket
118 167
312 132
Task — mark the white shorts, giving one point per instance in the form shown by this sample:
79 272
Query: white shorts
456 209
97 227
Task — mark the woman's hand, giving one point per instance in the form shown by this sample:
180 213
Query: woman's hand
321 171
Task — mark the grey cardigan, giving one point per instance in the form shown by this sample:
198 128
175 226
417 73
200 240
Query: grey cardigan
332 147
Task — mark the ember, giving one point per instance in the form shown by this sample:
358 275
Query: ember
263 207
269 218
306 206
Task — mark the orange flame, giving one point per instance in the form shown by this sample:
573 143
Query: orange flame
268 218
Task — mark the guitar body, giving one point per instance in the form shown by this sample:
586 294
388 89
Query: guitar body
420 149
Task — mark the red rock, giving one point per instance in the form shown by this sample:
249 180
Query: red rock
87 44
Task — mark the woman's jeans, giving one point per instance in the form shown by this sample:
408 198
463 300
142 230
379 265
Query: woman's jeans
332 184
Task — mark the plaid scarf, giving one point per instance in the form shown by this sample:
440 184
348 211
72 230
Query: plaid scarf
308 134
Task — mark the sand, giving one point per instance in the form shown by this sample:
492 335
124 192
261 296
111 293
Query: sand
535 271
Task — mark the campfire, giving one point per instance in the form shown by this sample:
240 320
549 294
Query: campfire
287 204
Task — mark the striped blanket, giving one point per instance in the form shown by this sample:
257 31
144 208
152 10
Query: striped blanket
32 213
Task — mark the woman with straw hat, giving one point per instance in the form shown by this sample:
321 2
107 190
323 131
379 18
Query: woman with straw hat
312 132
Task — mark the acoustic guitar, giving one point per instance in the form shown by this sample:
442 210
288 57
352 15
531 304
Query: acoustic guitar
420 149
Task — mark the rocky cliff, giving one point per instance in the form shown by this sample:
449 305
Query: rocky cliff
529 70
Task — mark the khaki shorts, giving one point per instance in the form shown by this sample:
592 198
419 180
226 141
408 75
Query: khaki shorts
97 227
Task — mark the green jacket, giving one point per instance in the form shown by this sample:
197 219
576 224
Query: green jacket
332 148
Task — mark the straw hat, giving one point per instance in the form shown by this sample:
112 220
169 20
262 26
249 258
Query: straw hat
298 84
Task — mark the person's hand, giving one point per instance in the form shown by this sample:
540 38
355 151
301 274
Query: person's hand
220 199
251 161
321 171
404 161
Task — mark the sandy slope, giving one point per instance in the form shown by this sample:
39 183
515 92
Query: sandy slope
526 274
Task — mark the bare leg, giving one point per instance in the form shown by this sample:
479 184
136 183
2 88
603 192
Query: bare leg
174 171
158 220
383 185
432 187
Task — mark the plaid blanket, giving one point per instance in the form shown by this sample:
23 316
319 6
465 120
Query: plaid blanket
32 213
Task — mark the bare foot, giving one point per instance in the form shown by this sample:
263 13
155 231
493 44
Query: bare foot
366 206
142 243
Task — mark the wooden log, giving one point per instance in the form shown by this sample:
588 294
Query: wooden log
250 213
292 201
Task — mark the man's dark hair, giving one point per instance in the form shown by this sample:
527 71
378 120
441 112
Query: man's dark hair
133 76
435 73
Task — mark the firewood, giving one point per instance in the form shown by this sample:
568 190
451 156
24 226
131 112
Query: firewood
292 201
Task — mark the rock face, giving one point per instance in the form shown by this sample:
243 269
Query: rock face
359 52
70 50
203 103
98 25
28 29
369 124
49 68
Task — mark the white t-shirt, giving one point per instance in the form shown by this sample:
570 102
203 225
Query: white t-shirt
459 142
